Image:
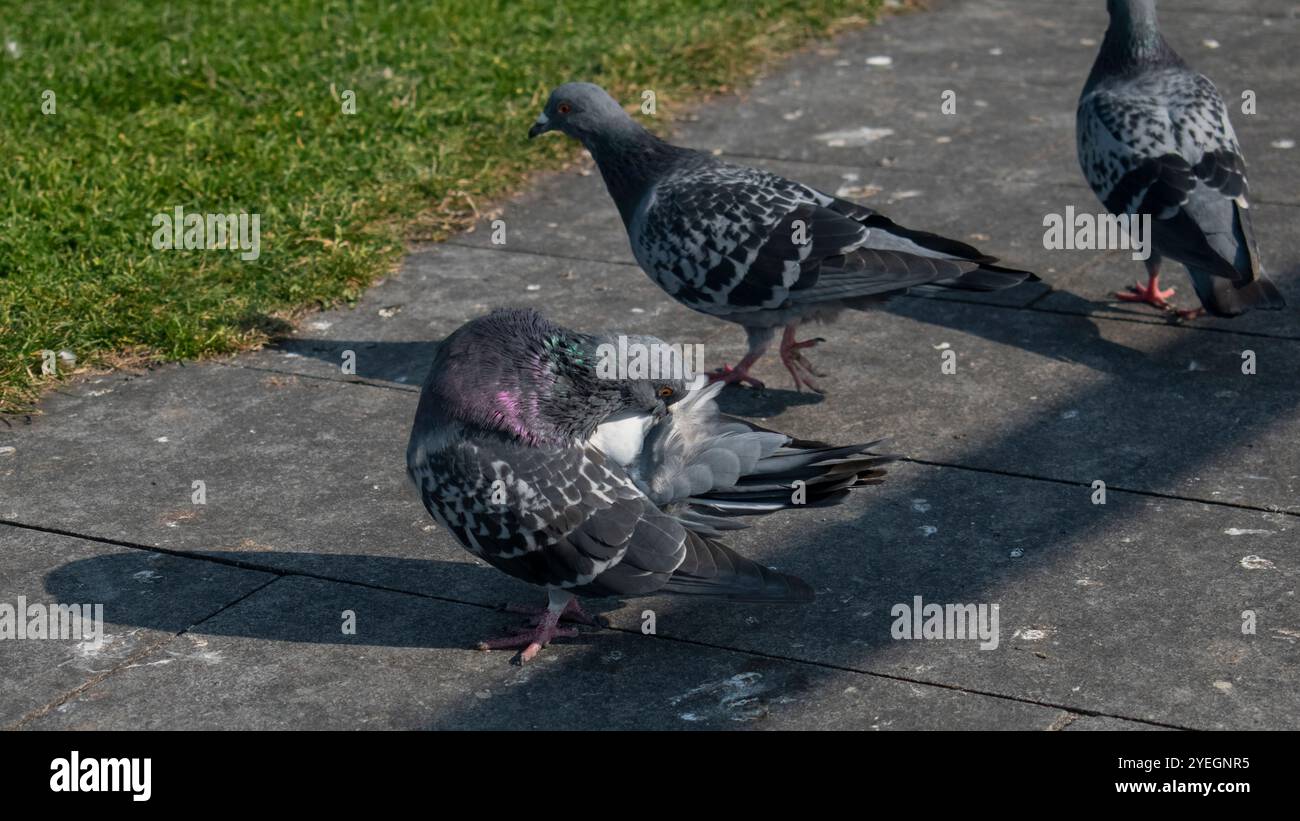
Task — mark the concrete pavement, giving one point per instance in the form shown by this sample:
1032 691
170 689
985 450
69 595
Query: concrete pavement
1130 614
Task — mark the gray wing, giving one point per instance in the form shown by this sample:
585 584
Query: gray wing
567 518
571 518
706 468
729 240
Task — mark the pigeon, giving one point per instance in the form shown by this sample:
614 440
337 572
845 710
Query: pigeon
749 246
590 483
1154 139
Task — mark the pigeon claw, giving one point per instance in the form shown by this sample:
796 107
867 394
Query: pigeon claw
1149 293
735 375
797 364
542 628
530 640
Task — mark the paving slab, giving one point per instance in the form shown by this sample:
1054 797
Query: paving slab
280 660
1133 608
317 488
146 599
557 219
1128 399
1016 77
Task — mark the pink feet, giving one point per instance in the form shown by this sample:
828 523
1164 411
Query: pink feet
1150 294
738 374
544 626
796 363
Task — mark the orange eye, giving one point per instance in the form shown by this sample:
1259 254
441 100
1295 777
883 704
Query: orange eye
564 108
665 392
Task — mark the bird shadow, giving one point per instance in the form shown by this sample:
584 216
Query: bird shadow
407 363
741 401
308 612
402 362
1072 338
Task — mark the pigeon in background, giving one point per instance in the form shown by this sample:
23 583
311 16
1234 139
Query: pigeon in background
591 486
751 247
1154 138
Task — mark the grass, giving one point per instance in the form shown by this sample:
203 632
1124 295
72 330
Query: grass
236 106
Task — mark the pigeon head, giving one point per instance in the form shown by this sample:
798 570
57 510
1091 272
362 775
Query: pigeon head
517 373
583 111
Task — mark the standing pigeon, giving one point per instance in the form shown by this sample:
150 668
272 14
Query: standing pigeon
596 486
751 247
1154 139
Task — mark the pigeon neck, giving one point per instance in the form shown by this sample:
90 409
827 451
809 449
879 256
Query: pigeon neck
571 399
630 160
1133 44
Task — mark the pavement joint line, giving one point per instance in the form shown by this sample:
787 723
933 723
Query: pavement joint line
1139 319
1012 178
1081 187
1176 11
1078 711
369 383
913 460
1029 306
133 659
501 249
1173 497
1144 320
279 573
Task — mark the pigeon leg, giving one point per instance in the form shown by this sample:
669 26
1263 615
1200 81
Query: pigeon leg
796 363
572 612
531 641
740 373
1150 293
759 339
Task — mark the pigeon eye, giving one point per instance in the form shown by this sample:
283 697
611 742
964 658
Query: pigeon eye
665 392
564 108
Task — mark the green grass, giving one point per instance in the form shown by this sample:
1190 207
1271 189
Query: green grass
235 106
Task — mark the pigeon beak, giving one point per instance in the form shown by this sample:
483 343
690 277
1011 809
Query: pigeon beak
542 126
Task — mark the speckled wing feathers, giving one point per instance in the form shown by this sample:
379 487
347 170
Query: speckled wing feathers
728 240
1145 142
564 518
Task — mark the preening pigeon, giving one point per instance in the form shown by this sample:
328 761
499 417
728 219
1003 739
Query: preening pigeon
1154 138
751 247
545 466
